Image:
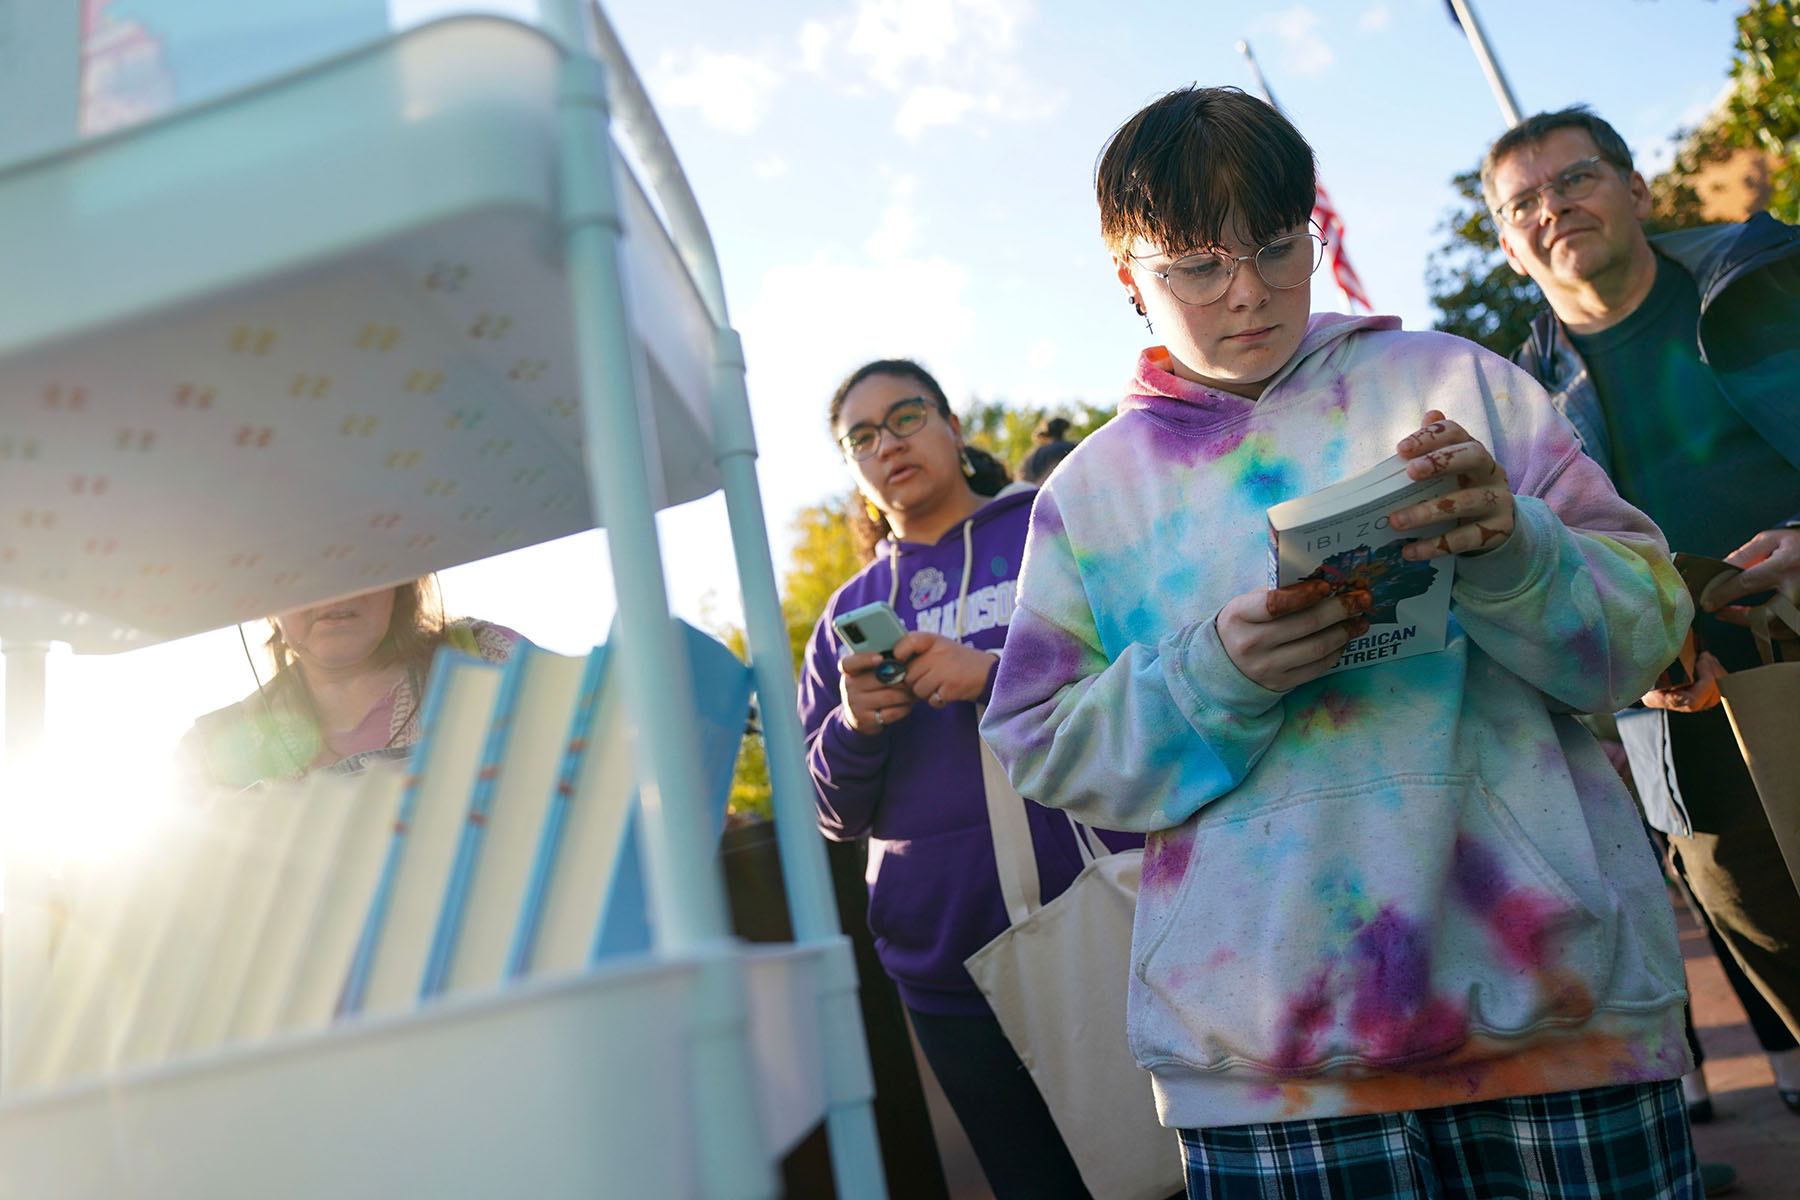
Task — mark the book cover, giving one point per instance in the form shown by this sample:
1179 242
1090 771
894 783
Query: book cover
64 1032
514 811
521 952
389 968
345 894
287 819
176 970
578 854
1341 534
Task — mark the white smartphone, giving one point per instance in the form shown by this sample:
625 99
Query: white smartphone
874 628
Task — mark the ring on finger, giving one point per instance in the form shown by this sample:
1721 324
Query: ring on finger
937 698
879 719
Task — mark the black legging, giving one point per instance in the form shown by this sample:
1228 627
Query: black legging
999 1108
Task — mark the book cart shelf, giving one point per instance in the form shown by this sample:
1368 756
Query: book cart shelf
436 297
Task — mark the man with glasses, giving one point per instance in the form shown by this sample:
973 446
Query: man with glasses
1677 359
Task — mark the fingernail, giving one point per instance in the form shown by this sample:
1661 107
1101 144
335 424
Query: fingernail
1399 520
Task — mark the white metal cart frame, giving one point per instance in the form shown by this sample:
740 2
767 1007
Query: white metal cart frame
596 91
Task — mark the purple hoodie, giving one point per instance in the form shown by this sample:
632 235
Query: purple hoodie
915 788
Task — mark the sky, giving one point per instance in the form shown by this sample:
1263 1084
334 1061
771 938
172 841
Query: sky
914 178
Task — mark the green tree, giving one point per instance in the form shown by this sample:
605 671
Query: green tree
1763 109
1477 293
1005 431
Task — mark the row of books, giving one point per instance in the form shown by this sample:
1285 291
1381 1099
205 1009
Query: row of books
505 847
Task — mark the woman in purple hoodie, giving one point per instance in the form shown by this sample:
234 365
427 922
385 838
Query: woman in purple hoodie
902 764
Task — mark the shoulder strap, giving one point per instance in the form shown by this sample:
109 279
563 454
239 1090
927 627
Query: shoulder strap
1013 855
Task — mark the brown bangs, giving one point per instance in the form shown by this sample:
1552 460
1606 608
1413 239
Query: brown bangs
1173 173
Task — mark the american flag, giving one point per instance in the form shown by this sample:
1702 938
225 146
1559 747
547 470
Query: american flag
1332 229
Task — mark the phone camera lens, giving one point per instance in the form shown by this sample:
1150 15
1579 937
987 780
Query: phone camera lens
854 632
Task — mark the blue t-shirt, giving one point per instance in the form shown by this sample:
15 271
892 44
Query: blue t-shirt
1680 451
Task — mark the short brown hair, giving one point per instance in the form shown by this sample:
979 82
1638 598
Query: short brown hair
1535 129
1173 173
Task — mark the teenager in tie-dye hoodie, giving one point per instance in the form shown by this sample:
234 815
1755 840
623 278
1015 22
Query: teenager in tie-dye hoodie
1397 912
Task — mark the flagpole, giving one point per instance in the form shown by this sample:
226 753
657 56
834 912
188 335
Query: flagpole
1324 215
1262 85
1490 66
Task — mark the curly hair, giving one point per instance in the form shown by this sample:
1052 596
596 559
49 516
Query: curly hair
990 473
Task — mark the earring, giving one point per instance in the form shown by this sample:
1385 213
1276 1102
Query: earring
968 468
1136 304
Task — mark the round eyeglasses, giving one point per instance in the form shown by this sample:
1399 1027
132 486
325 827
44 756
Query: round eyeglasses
1286 262
1576 181
904 418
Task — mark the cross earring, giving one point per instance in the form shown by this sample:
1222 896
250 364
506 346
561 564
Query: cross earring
1137 306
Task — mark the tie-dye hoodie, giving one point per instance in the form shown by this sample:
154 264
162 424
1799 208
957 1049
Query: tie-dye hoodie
1408 885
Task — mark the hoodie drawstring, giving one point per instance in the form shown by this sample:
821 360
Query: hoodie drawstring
962 595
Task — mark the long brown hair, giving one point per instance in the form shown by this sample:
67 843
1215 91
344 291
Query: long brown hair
869 524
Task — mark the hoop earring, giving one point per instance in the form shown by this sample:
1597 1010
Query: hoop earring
1137 305
968 468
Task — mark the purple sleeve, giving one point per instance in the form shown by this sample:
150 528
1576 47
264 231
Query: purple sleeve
849 769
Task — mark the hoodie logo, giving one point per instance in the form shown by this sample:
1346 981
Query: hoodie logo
927 587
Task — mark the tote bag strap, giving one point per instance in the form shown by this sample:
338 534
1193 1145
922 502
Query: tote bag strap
1763 617
1012 839
1087 842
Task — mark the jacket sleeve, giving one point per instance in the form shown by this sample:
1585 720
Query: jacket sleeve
849 769
1136 741
1582 600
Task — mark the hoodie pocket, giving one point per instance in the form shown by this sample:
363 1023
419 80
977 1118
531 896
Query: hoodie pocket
1378 924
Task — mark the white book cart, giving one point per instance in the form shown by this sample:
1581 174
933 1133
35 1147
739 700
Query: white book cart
440 295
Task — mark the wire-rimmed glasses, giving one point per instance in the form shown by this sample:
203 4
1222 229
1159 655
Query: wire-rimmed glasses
1576 181
1286 262
903 419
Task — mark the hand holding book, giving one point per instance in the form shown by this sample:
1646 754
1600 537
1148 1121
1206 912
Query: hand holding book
1482 505
1280 638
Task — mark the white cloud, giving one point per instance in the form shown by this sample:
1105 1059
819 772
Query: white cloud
1374 20
1303 50
732 91
815 39
772 167
948 60
930 105
894 236
1041 354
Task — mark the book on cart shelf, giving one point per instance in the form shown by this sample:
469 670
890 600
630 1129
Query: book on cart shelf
504 847
1340 534
415 875
507 814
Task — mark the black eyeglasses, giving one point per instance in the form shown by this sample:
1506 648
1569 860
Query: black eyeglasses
1576 181
904 418
1286 262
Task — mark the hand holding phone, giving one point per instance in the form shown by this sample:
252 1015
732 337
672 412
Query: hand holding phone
874 628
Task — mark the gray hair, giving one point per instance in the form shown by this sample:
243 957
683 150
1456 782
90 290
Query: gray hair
1535 129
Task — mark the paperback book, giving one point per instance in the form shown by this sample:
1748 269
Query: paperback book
1341 534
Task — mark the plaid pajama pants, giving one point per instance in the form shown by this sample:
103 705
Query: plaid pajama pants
1612 1143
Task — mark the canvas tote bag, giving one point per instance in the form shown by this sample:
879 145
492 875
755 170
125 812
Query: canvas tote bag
1056 979
1764 706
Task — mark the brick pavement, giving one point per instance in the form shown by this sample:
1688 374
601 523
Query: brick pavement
1752 1130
